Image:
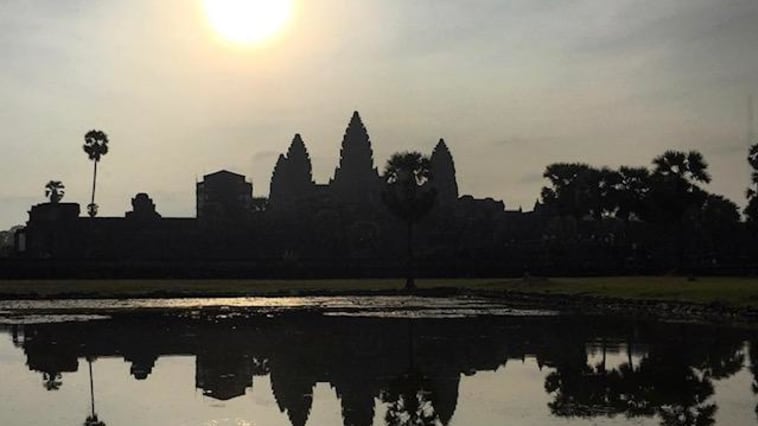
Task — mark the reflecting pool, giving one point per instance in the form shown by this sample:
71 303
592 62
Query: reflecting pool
343 367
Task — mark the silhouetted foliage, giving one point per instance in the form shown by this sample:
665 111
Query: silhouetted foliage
664 210
52 381
674 185
751 211
573 189
54 190
633 188
408 194
95 145
409 402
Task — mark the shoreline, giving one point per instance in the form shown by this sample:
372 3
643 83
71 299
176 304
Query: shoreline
520 293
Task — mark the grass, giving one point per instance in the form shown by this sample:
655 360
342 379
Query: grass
731 291
142 287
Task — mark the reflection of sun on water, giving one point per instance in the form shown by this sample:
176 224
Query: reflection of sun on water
248 21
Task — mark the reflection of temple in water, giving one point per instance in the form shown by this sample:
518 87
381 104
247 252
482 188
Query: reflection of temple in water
413 366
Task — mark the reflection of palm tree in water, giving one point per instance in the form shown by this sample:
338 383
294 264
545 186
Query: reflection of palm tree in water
52 380
409 402
411 397
670 383
92 419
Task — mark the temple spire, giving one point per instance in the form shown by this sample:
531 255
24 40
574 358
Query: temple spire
356 155
278 191
300 167
443 174
293 175
356 175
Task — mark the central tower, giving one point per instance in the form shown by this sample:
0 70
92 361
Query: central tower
356 180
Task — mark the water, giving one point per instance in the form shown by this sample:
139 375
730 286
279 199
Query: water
378 306
362 362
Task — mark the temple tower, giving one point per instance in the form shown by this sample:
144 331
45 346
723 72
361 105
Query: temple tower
443 174
278 190
292 178
356 179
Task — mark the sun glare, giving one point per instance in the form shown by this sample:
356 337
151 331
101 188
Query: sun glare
248 21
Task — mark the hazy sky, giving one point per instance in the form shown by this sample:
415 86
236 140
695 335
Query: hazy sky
512 85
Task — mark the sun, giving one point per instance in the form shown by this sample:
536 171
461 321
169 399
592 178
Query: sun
248 21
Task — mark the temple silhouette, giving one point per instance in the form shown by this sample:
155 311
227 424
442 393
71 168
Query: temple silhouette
338 228
587 221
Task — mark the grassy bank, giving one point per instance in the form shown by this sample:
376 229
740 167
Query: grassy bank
730 291
180 288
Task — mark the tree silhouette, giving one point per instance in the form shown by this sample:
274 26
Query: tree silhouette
689 166
408 195
718 223
675 199
674 184
573 190
633 188
92 419
753 353
52 380
667 383
751 211
95 145
409 401
54 190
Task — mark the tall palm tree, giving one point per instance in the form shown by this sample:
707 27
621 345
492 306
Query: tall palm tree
674 199
92 419
95 145
54 190
674 185
408 195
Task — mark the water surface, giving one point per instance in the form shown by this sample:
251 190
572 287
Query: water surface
361 363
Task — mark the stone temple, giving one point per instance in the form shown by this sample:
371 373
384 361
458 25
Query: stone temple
338 228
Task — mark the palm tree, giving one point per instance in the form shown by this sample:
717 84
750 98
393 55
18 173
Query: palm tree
408 195
92 419
409 401
52 380
574 189
54 190
674 199
95 145
689 166
632 193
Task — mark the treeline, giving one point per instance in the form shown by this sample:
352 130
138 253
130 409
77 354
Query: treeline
662 213
7 241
